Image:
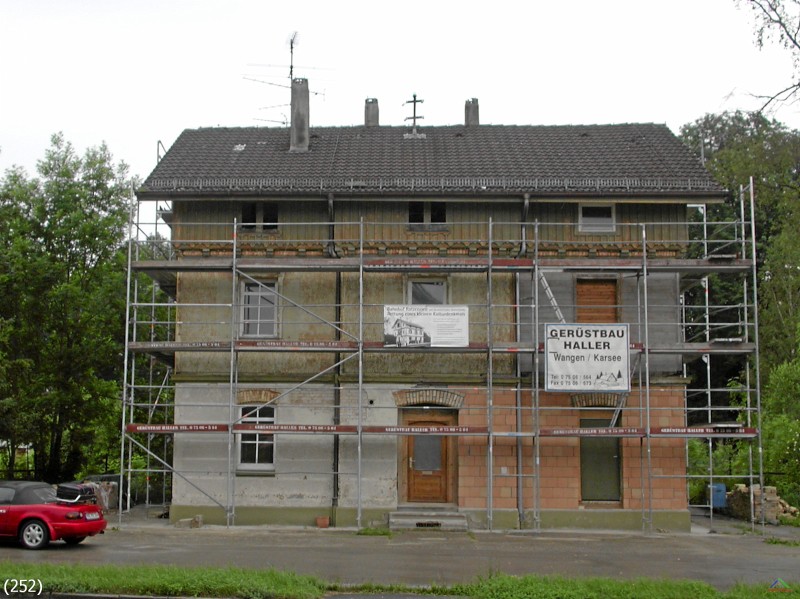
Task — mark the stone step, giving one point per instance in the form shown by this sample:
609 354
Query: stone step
428 519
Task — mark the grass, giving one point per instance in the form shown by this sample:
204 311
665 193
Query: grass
787 542
374 532
274 584
789 521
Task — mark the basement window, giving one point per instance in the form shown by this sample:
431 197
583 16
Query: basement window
594 218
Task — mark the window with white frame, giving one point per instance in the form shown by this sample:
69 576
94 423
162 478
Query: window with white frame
257 450
597 218
427 291
259 309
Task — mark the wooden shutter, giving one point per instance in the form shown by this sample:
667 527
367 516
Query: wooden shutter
596 300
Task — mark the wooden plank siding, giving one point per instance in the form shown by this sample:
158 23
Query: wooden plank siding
208 226
302 226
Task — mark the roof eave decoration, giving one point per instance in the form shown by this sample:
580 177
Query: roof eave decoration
437 185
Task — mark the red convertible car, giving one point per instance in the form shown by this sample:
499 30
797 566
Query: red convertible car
33 513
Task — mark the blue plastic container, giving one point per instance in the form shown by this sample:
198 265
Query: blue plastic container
719 499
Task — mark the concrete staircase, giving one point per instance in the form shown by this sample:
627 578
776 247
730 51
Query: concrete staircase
428 517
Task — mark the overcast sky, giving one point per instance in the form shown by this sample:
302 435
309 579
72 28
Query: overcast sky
136 72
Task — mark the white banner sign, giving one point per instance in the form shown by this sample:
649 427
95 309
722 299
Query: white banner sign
587 357
425 326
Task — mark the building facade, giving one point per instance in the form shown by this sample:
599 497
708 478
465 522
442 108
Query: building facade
465 326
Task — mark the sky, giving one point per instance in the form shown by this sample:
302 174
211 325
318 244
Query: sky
134 73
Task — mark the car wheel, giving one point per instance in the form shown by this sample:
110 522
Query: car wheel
34 535
73 540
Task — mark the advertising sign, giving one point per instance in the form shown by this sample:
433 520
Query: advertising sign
425 326
587 357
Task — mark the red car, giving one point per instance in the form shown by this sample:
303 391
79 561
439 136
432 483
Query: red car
32 513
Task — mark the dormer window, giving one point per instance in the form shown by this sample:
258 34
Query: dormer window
597 218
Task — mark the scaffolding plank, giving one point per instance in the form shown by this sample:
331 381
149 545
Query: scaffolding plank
166 269
726 432
605 431
338 429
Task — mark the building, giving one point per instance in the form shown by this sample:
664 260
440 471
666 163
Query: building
471 326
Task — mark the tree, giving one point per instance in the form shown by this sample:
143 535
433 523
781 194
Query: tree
780 20
781 430
736 146
62 280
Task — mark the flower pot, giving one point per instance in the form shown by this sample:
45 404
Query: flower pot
323 521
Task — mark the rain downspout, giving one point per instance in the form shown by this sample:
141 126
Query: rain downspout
526 204
331 249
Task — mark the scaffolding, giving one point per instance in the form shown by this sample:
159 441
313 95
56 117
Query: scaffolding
507 335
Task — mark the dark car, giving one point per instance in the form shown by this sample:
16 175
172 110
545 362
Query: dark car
33 513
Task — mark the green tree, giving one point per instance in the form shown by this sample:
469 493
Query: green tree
781 430
737 146
63 285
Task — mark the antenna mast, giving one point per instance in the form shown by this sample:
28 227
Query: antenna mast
292 42
414 119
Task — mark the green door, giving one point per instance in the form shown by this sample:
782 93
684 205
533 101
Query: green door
600 464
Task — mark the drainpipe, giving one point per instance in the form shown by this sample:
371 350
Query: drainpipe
523 246
331 249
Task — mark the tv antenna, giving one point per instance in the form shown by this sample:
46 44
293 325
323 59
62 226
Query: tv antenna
292 43
414 119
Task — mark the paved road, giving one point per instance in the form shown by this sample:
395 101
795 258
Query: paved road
422 558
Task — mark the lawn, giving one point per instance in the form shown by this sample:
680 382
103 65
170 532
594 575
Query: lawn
274 584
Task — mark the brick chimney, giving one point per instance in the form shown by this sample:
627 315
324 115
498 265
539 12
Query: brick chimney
298 136
471 118
371 112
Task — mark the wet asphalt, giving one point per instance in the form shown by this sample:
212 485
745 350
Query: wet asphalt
720 552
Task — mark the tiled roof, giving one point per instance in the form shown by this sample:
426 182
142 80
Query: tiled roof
493 159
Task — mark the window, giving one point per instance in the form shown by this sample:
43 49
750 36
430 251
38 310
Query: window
596 219
259 310
249 217
269 217
427 213
6 495
438 212
259 216
416 213
257 450
428 292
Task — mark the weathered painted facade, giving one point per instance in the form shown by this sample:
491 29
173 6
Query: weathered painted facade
288 403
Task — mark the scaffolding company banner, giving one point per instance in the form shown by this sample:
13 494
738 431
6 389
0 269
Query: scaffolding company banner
425 326
587 357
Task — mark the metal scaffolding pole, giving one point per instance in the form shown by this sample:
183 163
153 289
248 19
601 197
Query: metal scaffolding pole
489 387
230 504
648 438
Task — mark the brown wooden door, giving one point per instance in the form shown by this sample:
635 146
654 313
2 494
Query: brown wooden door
427 466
